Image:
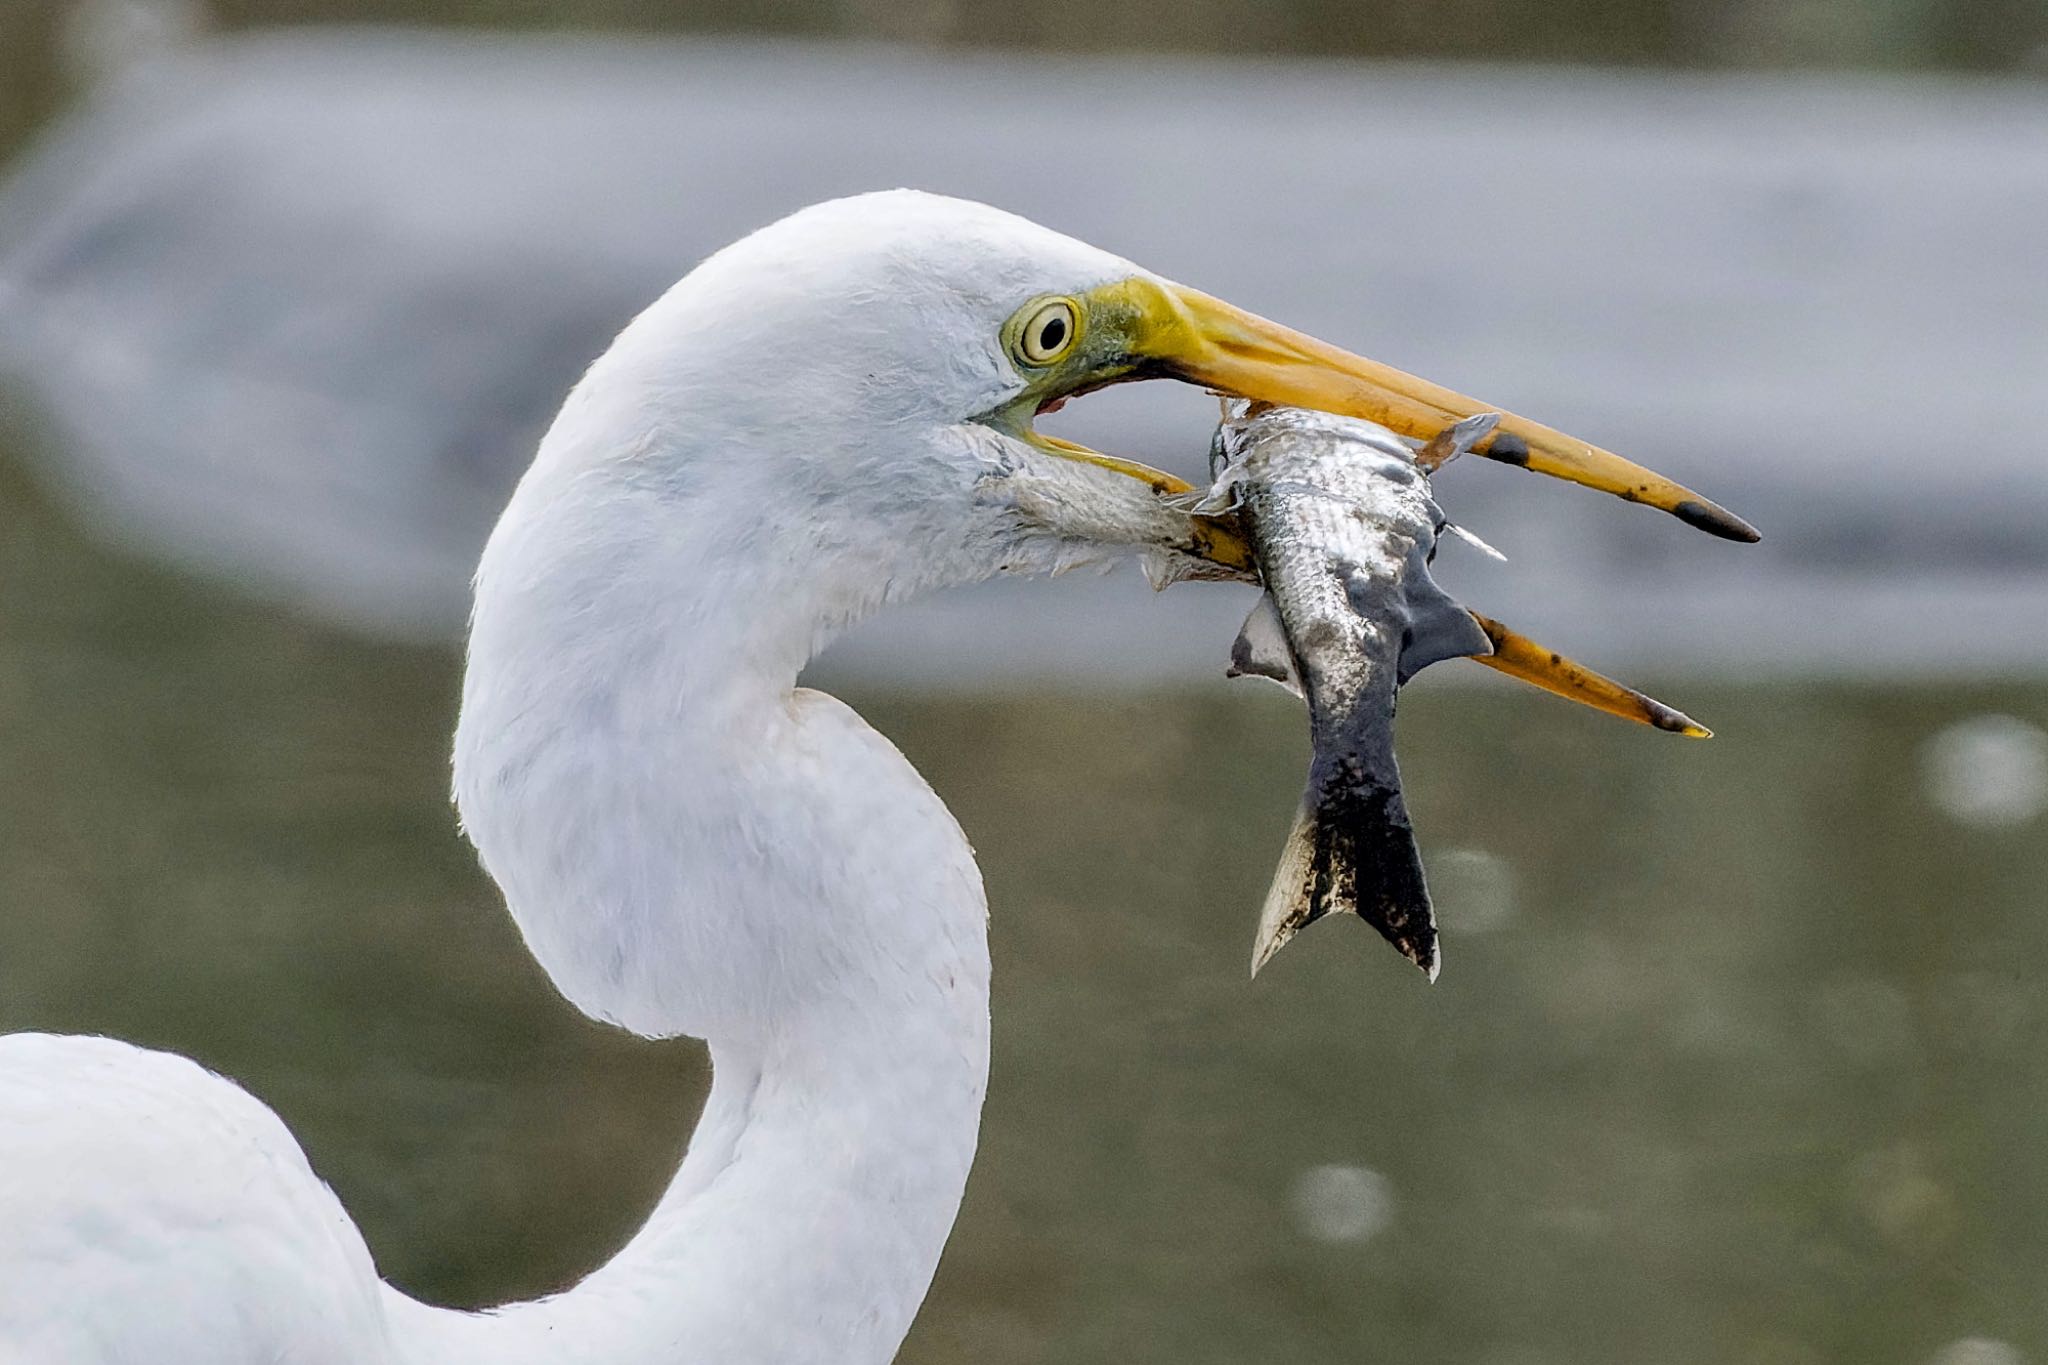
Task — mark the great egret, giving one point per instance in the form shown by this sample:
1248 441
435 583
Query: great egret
832 414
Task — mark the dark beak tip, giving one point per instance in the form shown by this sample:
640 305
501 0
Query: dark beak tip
1674 721
1716 520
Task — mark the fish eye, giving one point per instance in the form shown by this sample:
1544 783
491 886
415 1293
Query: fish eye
1049 330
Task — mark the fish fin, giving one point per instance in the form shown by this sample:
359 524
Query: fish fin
1290 902
1352 850
1261 650
1455 439
1472 538
1437 628
1224 494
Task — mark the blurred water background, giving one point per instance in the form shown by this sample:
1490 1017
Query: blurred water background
1738 1053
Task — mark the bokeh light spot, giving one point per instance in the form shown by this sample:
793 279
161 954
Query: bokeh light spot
1978 1351
1989 772
1473 889
1338 1203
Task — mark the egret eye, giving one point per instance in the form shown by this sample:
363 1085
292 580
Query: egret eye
1049 332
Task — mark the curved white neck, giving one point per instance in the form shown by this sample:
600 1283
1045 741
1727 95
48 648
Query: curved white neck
691 844
803 1227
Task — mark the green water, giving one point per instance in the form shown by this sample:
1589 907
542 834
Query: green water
1738 1054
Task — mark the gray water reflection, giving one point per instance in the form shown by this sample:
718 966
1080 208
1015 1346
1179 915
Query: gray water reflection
1750 1067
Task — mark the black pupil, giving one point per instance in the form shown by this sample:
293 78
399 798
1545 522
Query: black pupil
1052 333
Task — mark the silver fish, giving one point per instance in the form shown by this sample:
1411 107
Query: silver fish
1341 529
1343 526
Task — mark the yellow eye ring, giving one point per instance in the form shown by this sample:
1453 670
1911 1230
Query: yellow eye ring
1049 330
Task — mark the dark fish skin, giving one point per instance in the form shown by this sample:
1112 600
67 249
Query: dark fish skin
1343 526
1362 855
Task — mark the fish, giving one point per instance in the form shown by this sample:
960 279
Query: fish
1343 527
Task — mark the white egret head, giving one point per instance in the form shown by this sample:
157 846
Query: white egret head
872 366
912 339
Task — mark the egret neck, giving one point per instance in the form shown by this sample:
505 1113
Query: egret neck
692 844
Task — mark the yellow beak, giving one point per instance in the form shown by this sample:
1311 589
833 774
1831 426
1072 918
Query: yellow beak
1168 331
1182 333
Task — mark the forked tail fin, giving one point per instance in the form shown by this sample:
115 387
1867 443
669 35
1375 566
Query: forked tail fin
1352 850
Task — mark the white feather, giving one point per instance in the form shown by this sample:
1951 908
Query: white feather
689 843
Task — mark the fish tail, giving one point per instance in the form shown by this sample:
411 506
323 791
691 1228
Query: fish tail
1352 850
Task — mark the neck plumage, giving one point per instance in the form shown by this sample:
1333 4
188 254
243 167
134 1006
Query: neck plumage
691 844
802 1228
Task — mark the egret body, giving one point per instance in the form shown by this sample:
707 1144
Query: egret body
828 416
